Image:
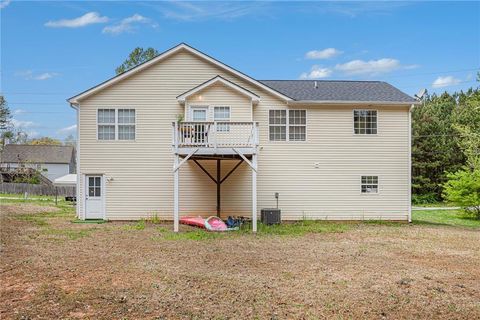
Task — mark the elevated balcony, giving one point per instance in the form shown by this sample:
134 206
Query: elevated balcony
215 139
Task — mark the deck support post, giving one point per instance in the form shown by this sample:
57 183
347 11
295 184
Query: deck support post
219 183
175 194
254 193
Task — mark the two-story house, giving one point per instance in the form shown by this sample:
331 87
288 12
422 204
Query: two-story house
186 134
51 161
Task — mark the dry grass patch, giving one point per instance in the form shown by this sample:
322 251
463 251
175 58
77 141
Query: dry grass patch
141 270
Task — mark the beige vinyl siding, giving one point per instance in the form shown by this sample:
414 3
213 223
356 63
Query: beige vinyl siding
140 171
221 95
320 178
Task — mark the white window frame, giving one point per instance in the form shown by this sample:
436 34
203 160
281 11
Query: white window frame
116 124
287 124
226 127
378 184
199 106
353 123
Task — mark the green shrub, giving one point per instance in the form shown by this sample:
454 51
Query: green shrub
424 198
463 189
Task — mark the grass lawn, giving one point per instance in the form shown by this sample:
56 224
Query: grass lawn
455 218
53 268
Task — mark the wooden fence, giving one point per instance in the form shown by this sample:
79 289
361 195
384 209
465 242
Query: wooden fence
37 189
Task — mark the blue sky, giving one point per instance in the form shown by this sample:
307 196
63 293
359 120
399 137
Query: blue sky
53 50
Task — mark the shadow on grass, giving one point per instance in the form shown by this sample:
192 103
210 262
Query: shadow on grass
299 228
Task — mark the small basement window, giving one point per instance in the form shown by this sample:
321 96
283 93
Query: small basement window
369 184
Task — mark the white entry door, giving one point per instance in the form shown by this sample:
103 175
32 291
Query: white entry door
94 197
199 114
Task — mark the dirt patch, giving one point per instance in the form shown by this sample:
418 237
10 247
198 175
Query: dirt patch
25 208
114 272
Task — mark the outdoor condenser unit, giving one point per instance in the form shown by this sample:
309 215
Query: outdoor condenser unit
270 216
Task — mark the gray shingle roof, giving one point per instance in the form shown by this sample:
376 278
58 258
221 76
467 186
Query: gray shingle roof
328 90
13 153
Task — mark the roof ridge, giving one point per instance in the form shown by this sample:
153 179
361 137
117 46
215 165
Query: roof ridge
37 145
322 80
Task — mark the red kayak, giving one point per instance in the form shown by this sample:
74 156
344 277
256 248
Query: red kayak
211 223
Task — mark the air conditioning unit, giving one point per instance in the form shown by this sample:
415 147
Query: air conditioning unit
271 216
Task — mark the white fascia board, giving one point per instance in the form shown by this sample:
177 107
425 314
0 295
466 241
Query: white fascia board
164 55
181 98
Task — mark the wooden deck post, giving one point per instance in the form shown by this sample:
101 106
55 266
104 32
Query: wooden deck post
219 183
175 195
254 193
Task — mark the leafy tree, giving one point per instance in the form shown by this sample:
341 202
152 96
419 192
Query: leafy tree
466 122
70 140
434 149
45 141
4 114
136 57
463 188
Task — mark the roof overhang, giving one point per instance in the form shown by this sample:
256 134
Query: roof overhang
352 102
75 99
66 180
216 80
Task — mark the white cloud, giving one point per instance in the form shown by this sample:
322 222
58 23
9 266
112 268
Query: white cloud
371 67
26 126
355 8
447 81
128 24
4 3
30 75
85 20
316 72
44 76
198 11
18 111
323 54
68 130
23 124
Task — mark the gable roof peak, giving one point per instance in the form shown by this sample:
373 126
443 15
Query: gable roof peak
182 46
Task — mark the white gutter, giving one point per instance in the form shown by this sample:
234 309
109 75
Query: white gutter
410 163
77 154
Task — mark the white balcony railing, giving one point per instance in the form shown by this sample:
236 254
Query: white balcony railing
215 134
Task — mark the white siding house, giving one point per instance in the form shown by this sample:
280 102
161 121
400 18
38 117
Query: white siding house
51 161
331 149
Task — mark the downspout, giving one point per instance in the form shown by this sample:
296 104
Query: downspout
75 106
410 163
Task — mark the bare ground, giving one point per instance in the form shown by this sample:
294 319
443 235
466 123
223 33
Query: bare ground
51 268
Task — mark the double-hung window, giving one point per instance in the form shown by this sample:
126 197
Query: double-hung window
222 115
369 184
297 125
106 124
126 124
116 124
287 125
365 121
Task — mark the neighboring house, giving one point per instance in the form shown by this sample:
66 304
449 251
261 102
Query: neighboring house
330 149
51 161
